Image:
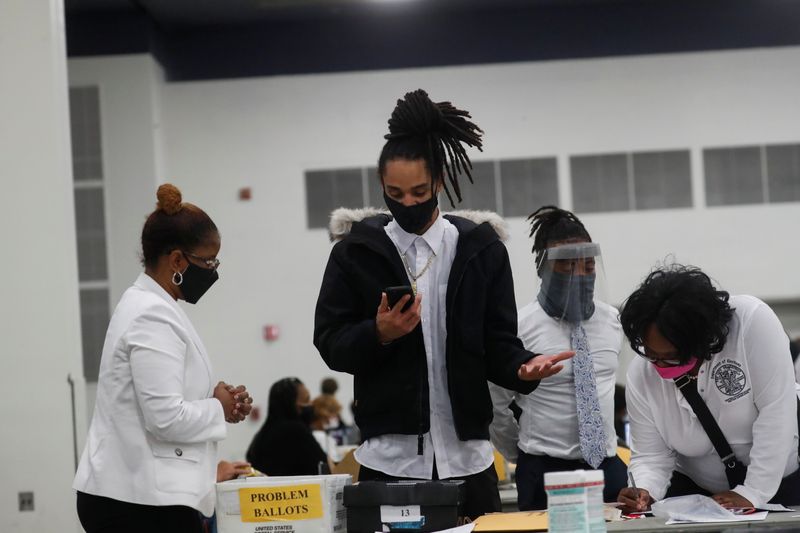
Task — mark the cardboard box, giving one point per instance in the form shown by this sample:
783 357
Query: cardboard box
282 504
403 505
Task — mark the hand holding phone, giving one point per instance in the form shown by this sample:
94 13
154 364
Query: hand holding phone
398 313
393 295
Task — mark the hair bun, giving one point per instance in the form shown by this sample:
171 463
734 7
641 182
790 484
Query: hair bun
169 199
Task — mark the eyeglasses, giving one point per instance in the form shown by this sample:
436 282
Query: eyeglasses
210 262
654 360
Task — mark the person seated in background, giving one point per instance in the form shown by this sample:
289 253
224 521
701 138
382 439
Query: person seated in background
284 446
567 423
328 387
706 355
326 420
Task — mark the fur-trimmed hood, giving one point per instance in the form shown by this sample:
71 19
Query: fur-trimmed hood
343 218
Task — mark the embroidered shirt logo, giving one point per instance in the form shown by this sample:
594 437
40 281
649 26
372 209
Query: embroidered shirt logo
730 379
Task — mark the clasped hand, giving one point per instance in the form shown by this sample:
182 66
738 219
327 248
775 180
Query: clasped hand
236 401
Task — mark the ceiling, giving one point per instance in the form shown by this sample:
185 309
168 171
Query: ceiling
187 13
208 39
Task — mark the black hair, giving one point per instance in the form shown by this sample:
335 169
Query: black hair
282 403
329 386
174 225
435 132
551 224
682 302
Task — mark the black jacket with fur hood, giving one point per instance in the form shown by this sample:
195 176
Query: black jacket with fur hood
391 383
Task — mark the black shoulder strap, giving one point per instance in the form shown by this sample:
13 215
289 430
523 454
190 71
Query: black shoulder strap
735 471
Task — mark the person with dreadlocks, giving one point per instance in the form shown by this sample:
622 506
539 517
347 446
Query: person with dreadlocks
420 374
567 423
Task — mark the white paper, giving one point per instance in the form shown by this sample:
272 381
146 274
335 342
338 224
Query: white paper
774 507
392 514
697 509
466 528
736 518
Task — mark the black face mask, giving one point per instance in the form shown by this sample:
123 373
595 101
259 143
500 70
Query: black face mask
196 281
307 414
412 218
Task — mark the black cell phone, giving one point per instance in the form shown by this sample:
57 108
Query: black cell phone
393 295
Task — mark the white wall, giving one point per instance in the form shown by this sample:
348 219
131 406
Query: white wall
129 89
265 133
39 319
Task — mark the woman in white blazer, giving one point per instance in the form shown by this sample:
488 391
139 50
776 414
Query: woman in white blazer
150 458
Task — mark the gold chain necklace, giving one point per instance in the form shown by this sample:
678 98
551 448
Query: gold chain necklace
415 277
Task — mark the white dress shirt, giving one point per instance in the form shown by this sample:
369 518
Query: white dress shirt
153 438
549 421
749 388
396 455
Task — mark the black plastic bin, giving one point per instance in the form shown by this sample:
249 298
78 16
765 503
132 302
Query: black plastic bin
439 503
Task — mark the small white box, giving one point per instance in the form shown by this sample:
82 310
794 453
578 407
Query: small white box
282 504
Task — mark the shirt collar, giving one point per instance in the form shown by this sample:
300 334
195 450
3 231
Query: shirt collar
433 237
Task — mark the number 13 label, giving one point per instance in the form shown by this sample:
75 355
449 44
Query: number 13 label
400 513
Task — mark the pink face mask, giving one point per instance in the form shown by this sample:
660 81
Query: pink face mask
672 372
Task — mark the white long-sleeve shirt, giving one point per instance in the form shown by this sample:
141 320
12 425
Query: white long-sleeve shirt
749 388
549 421
397 454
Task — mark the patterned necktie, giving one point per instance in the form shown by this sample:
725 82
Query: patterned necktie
591 429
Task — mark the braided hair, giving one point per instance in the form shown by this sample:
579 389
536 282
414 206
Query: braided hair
550 224
436 132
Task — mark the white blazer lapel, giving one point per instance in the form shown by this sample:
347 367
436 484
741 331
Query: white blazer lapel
146 282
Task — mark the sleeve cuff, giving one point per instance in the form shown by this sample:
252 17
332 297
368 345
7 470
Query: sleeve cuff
751 495
220 429
656 489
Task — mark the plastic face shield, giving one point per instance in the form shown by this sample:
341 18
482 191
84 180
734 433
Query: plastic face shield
572 281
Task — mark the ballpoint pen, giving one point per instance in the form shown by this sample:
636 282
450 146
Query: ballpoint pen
633 485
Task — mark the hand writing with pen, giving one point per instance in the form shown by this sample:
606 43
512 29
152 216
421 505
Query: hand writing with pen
635 500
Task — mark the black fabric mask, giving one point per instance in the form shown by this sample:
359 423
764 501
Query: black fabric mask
412 218
196 281
307 414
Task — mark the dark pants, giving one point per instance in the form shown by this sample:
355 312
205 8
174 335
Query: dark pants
480 490
104 515
532 468
788 491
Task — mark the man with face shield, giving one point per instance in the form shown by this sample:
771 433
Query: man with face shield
567 423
